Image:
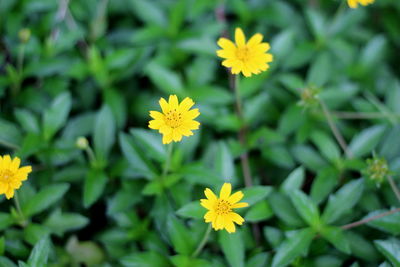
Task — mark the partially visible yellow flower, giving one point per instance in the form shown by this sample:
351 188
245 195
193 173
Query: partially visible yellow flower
11 175
176 120
220 210
354 3
248 58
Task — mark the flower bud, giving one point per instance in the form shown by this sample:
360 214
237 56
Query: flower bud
24 35
82 143
377 169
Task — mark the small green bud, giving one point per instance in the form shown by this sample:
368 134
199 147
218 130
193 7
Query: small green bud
24 35
82 143
377 169
309 97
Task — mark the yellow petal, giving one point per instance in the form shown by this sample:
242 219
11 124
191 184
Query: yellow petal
173 102
226 44
15 164
236 218
167 138
210 195
206 203
230 227
352 3
225 191
240 39
164 105
192 114
236 197
220 222
186 104
9 193
255 40
6 161
156 124
240 205
210 216
157 115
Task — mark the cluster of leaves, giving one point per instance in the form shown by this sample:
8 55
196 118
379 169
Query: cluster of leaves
95 68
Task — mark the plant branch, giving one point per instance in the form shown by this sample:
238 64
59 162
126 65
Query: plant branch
364 221
335 130
394 187
202 242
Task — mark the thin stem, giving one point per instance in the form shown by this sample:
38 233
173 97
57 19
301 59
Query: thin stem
167 160
339 11
9 145
91 156
335 130
394 187
202 242
364 221
19 210
244 158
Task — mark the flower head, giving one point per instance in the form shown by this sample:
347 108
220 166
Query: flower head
176 120
220 210
11 175
377 169
246 57
354 3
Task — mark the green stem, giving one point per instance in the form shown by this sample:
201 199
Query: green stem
335 130
202 242
394 187
91 156
19 210
363 115
364 221
339 11
167 160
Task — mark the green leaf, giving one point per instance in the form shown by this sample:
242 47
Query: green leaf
135 157
306 208
192 210
183 260
294 246
390 248
2 245
233 247
145 259
150 142
343 201
326 146
180 236
308 157
259 212
40 253
5 262
10 135
166 80
361 247
56 116
5 220
148 12
363 143
255 193
284 210
60 223
389 224
95 183
320 71
103 133
324 184
273 235
46 197
258 260
294 181
27 120
336 236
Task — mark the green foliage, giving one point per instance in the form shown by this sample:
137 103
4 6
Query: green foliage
92 70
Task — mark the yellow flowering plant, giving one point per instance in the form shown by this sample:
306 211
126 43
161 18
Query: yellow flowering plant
245 57
175 120
220 209
12 175
355 3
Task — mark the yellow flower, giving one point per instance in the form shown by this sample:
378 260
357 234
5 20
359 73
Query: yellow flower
220 210
11 175
248 58
354 3
176 120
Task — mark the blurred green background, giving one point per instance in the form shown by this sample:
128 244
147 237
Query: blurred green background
95 68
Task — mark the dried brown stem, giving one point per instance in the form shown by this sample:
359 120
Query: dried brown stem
364 221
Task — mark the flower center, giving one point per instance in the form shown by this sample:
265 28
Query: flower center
242 53
5 175
173 118
223 207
